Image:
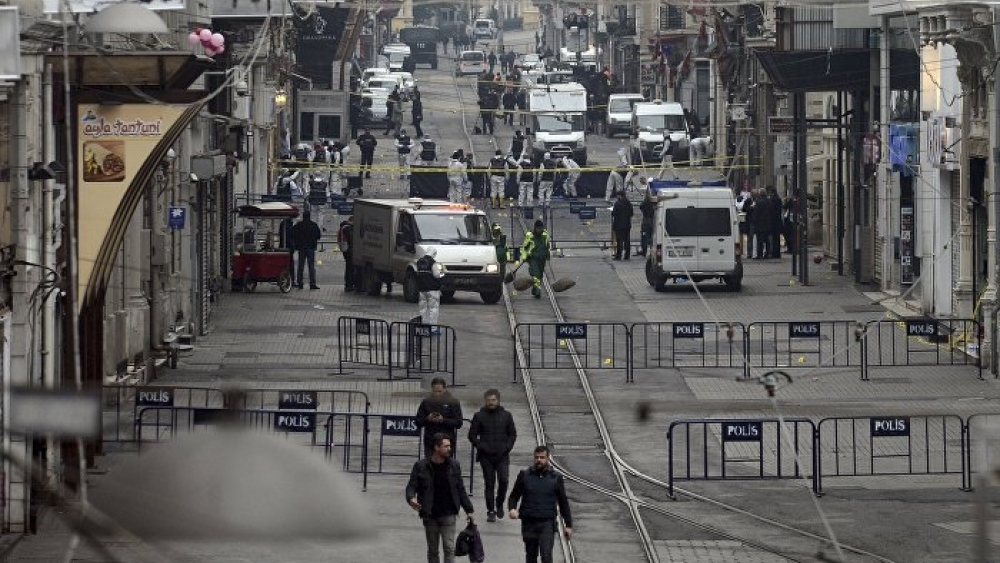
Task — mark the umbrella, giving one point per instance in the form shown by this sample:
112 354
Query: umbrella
232 483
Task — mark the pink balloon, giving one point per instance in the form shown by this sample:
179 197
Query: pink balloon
220 49
205 34
210 51
194 38
218 40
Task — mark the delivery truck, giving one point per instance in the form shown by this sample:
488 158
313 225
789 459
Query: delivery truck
390 235
558 121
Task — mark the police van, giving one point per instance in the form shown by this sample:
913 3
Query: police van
695 237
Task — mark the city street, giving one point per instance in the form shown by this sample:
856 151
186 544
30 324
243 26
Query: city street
274 341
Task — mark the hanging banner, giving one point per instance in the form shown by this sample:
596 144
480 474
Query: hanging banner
113 142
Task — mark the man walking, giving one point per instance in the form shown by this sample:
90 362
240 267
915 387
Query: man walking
498 176
367 143
417 111
403 146
429 274
306 235
538 498
493 434
621 224
535 251
439 414
435 490
545 176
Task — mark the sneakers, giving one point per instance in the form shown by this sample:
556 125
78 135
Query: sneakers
491 517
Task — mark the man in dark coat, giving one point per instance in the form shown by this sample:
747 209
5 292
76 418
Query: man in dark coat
493 434
439 413
621 224
538 492
306 235
436 491
775 201
763 224
648 209
367 142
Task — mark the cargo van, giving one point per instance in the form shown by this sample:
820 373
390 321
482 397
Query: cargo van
390 235
695 236
655 123
618 117
399 57
470 62
484 28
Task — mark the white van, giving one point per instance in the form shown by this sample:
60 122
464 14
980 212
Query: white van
484 29
397 53
653 124
695 236
470 62
618 117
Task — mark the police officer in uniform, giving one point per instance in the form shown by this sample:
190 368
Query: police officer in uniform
545 176
500 244
403 146
429 274
525 181
498 173
428 151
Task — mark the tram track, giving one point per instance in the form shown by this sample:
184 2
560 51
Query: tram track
552 407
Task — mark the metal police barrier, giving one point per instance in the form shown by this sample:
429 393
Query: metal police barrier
740 449
363 342
805 344
922 342
891 445
121 404
602 346
169 421
422 349
661 345
382 443
980 434
320 400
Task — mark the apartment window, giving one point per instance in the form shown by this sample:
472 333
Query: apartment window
307 126
671 17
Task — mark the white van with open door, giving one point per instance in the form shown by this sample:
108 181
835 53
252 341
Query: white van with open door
695 237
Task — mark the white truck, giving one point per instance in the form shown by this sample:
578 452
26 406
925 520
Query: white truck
558 121
390 235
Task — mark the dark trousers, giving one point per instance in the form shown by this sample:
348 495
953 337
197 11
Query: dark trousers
307 256
366 160
763 244
539 537
487 122
496 476
623 242
775 244
645 239
790 238
348 270
416 124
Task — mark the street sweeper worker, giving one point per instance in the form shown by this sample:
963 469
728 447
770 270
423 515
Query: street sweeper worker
535 251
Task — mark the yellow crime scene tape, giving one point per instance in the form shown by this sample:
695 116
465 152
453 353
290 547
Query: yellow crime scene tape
418 168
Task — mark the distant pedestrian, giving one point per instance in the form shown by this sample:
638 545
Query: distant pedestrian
792 208
404 145
525 181
306 235
429 274
436 491
457 176
417 112
621 224
492 60
493 434
497 176
615 184
440 413
572 175
763 223
367 143
517 144
545 176
500 245
345 242
648 210
392 102
535 251
538 498
509 101
776 212
744 205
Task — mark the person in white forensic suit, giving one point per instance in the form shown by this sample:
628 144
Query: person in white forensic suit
525 181
572 174
457 176
429 274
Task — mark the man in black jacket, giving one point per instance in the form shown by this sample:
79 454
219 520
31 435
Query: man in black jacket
439 413
493 434
367 142
306 235
435 490
538 491
621 224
